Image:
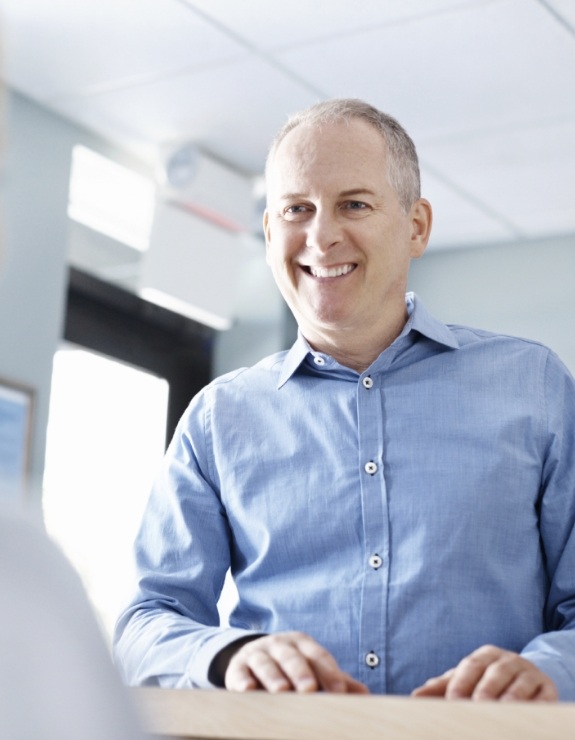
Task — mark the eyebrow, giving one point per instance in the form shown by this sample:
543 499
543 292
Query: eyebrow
344 194
357 191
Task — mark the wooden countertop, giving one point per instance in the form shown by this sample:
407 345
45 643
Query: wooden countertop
222 715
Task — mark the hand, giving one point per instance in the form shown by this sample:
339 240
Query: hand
288 661
492 673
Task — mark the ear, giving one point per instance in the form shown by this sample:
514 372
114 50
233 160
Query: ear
266 224
421 218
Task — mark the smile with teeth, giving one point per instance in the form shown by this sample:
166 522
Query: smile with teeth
330 272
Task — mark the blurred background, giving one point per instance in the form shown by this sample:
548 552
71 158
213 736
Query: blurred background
132 195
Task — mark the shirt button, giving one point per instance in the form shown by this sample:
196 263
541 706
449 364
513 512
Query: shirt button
370 468
367 382
372 660
375 561
319 360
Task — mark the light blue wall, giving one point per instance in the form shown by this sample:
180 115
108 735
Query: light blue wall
35 237
525 289
33 270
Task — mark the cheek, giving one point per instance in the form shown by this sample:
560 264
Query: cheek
277 262
284 246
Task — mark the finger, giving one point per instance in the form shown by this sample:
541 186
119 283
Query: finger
296 666
548 692
530 685
506 673
303 659
355 687
512 678
469 672
275 663
252 668
284 669
238 677
328 674
434 686
286 662
524 688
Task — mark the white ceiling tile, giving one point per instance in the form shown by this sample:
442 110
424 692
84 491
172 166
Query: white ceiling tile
565 9
485 67
458 222
527 175
473 81
271 27
233 111
66 46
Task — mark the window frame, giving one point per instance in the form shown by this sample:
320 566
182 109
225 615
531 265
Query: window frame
108 319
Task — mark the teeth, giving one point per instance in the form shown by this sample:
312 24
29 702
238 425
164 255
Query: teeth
325 272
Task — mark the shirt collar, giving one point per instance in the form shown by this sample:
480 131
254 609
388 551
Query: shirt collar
294 359
420 320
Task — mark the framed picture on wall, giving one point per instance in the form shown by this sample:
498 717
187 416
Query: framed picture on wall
16 408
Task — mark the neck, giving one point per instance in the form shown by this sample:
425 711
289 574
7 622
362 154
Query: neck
353 349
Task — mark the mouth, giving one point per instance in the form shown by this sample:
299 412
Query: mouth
329 272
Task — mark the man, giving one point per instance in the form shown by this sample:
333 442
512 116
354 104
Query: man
395 497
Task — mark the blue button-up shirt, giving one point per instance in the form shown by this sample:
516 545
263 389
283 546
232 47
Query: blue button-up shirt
402 517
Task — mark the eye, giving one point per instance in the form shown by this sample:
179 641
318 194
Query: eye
355 205
295 212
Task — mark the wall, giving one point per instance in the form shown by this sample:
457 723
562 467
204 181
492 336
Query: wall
525 289
33 274
261 318
39 241
35 237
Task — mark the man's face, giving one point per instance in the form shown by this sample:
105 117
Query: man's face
338 242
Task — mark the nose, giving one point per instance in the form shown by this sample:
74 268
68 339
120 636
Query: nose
323 231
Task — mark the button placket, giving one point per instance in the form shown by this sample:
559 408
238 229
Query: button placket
373 625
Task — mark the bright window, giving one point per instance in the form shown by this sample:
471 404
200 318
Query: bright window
110 198
106 437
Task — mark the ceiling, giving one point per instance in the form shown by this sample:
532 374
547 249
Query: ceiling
485 87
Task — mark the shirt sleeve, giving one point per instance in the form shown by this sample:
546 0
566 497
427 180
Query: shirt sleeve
170 633
554 651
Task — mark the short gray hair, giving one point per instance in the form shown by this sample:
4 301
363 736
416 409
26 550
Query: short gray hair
403 164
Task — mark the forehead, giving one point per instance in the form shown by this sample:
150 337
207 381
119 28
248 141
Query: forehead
347 150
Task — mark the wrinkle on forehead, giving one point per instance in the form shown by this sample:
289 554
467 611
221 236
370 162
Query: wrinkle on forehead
311 153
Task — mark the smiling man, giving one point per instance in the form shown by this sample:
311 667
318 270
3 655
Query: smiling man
339 240
394 496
